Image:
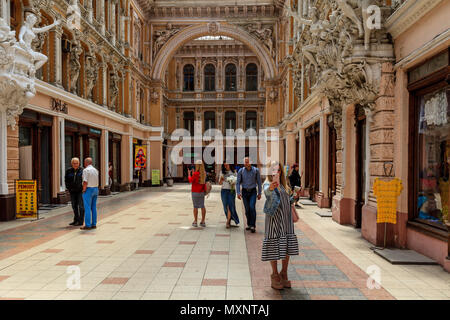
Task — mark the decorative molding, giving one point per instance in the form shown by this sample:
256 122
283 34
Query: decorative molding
408 14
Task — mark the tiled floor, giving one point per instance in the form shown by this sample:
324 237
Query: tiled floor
145 248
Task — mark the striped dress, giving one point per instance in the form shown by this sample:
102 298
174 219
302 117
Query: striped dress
280 239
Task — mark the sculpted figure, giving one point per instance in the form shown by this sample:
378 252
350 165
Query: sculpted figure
350 13
28 33
114 88
91 74
162 36
73 15
75 65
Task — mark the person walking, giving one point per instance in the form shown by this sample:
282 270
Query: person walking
90 194
228 193
295 181
74 183
249 177
280 241
198 180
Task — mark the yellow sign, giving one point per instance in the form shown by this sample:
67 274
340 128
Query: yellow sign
140 157
26 199
155 177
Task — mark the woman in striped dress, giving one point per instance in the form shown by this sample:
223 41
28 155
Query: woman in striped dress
280 240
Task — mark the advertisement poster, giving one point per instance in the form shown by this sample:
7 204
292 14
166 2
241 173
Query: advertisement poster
155 177
140 157
26 199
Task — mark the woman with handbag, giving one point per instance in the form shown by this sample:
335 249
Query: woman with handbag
198 180
280 241
228 179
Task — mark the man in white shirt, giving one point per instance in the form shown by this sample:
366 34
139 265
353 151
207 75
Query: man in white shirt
90 194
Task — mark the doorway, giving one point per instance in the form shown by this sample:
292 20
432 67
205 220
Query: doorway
361 156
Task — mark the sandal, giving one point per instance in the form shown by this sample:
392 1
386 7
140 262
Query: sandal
202 224
284 280
276 282
194 224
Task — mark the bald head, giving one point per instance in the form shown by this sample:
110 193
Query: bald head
87 162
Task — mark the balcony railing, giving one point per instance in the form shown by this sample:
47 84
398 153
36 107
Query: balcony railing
230 95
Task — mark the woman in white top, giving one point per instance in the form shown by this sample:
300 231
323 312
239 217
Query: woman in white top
228 193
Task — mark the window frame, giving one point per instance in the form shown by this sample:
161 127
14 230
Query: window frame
255 76
188 83
209 80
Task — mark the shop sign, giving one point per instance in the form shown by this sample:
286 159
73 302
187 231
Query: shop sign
59 106
155 177
26 199
140 157
135 141
95 131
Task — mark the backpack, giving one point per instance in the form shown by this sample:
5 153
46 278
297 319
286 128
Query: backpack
208 187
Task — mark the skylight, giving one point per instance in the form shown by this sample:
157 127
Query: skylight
214 38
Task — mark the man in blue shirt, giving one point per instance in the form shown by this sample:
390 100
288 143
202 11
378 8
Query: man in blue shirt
249 177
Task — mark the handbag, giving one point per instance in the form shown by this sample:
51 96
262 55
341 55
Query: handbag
294 214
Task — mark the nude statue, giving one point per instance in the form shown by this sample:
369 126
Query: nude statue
28 33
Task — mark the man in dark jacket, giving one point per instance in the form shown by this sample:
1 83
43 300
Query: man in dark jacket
295 180
74 183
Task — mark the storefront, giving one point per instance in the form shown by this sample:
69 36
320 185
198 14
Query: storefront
312 155
429 146
114 165
35 152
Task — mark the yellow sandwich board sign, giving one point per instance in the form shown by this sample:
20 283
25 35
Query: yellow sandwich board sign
155 177
26 199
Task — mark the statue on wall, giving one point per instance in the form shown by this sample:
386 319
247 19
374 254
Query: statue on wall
113 87
73 15
28 33
75 65
162 36
264 34
91 73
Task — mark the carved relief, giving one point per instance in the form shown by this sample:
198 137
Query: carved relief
113 87
75 64
162 36
91 73
264 34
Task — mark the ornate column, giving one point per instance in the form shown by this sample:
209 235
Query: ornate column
101 15
302 155
198 74
113 22
241 75
323 199
105 83
290 144
3 153
90 11
56 55
62 154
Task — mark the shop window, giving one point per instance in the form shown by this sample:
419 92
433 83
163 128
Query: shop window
210 120
230 77
433 126
188 76
189 122
230 120
251 76
210 77
250 120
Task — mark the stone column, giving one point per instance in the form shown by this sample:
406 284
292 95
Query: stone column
101 19
323 199
105 166
148 170
198 75
3 154
62 154
113 22
90 11
241 75
302 155
56 55
290 145
105 84
4 11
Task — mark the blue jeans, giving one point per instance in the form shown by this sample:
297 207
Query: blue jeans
90 204
228 201
249 199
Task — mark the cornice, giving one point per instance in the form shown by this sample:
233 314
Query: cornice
408 14
89 106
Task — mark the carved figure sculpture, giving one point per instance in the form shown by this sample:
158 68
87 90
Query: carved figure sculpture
75 65
162 36
91 74
114 88
73 15
263 34
28 33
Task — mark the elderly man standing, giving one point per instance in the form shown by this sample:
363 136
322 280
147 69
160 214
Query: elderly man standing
249 177
74 183
90 194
